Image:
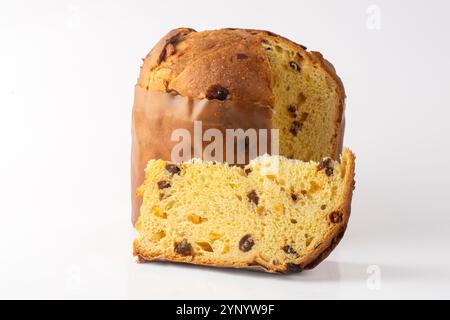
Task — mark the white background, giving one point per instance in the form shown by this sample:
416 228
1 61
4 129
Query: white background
67 72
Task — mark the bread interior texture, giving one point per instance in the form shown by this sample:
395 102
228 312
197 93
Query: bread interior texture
306 104
273 212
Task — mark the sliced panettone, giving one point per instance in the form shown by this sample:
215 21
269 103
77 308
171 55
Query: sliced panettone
254 78
280 214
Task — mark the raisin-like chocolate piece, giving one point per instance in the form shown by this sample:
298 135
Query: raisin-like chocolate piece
294 65
241 56
336 217
293 110
289 250
248 171
327 165
324 164
217 92
296 127
172 168
183 248
294 197
246 243
163 184
293 267
323 207
293 221
253 197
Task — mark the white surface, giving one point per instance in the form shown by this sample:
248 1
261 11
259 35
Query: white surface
67 70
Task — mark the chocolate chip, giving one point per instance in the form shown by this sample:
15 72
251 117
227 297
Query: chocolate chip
253 197
241 56
163 184
246 243
294 197
183 248
296 127
327 165
217 92
336 217
323 207
293 110
172 168
293 221
294 65
289 250
304 192
293 267
324 164
248 171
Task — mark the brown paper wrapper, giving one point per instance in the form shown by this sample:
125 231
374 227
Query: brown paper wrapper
157 114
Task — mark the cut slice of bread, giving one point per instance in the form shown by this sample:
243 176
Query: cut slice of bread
280 214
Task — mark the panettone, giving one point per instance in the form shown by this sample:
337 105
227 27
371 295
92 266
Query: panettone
235 78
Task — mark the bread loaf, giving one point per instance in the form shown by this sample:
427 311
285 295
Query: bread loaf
278 214
254 78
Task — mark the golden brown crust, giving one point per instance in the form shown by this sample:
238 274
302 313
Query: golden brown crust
340 117
309 262
196 61
190 62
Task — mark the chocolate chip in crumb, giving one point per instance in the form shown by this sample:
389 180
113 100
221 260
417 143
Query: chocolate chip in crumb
293 267
183 248
336 217
246 243
324 164
327 165
294 197
217 92
172 168
241 56
294 65
323 207
292 110
248 171
329 171
253 197
293 221
296 127
289 250
163 184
